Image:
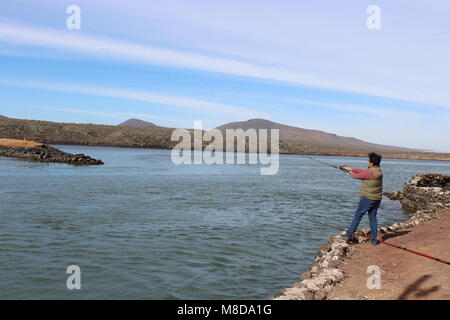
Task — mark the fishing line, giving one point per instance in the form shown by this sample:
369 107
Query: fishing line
322 162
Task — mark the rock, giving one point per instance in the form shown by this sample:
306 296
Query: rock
426 191
306 275
308 295
395 195
280 293
364 231
320 295
333 264
45 153
295 294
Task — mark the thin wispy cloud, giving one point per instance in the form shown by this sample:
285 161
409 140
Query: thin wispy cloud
143 96
358 108
146 54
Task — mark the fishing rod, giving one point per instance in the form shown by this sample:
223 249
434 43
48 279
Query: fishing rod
387 243
368 237
325 163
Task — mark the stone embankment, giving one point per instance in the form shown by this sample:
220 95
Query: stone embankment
423 196
323 274
33 151
425 191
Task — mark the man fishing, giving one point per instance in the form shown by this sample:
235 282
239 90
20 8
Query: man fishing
370 189
370 192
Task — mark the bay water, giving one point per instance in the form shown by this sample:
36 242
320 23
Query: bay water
141 227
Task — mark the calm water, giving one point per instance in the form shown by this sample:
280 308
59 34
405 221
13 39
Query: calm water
140 227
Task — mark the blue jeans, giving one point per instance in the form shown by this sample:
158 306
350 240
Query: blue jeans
365 205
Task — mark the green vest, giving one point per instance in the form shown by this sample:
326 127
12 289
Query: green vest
372 189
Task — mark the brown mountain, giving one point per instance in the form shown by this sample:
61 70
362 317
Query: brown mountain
292 134
137 123
58 133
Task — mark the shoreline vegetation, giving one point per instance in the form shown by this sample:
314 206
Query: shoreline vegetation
156 137
334 274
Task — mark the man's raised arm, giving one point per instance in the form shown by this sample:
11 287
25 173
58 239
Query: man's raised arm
361 174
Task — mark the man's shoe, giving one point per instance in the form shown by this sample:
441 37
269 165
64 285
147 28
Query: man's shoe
374 242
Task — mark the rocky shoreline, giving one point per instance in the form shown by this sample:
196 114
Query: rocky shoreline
424 195
45 153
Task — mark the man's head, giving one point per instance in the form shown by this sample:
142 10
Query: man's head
374 159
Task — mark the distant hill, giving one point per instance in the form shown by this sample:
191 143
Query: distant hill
312 137
293 140
57 133
136 123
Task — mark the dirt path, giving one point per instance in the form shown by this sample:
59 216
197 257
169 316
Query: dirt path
404 276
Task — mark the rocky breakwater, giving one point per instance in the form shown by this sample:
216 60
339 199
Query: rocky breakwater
425 191
34 151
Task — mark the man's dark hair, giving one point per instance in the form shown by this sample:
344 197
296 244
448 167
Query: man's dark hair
374 158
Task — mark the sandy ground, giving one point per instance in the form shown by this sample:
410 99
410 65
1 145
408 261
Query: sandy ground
19 143
404 276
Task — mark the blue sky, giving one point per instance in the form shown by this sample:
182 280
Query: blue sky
312 64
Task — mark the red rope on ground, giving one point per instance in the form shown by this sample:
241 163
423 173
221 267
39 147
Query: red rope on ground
389 244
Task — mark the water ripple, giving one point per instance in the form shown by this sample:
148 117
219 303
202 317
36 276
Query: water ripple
142 228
